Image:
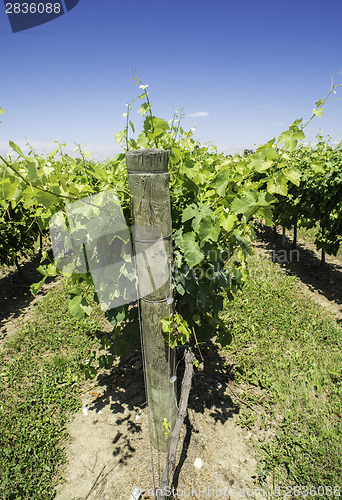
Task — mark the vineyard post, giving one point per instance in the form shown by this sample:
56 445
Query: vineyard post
148 180
283 236
294 243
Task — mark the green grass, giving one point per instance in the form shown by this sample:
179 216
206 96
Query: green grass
291 348
282 342
40 381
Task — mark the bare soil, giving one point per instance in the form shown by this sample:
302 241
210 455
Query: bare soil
323 284
109 450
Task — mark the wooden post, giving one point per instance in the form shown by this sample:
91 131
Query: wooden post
283 236
294 243
183 405
148 180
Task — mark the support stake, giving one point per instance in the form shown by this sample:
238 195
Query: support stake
183 405
148 180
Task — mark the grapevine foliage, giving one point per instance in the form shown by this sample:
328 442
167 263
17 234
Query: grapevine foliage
214 198
19 232
317 198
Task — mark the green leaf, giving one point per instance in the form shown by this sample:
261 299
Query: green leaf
221 181
179 328
277 185
159 126
35 287
197 213
119 137
196 172
143 108
132 126
192 252
175 154
105 361
318 112
262 160
293 176
265 199
209 229
228 222
32 170
244 204
243 242
270 152
2 111
51 269
266 214
224 337
189 212
16 148
8 187
115 316
46 199
142 141
264 165
42 270
180 289
79 307
291 136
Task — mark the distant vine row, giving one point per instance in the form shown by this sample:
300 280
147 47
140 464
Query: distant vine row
317 200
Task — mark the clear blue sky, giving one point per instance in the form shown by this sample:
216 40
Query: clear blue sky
243 69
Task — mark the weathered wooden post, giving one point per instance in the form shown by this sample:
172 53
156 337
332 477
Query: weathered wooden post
148 180
283 236
294 243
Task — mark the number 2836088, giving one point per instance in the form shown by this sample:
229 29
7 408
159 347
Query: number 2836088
313 491
33 8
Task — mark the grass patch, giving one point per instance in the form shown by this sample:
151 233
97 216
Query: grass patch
283 343
40 380
291 348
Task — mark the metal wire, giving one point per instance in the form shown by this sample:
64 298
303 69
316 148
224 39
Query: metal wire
144 371
143 347
155 301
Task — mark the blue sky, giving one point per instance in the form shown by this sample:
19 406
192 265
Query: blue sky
241 70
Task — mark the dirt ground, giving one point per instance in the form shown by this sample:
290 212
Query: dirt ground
109 450
321 284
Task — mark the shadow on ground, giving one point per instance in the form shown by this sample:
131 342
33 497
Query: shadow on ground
15 293
113 432
304 262
124 389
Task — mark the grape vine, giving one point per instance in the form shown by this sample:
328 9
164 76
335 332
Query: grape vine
214 198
